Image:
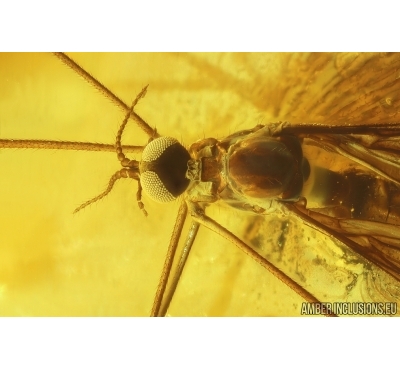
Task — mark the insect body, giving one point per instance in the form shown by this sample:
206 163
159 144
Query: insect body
96 272
263 170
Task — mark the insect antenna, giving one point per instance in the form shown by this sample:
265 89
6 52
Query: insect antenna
117 175
118 147
131 166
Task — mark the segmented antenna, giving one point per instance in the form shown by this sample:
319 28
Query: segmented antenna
118 147
131 167
124 172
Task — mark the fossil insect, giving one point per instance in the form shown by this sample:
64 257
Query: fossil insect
116 276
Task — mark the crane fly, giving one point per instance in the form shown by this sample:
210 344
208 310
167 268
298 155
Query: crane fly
106 260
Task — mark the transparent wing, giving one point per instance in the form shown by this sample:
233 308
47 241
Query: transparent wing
339 94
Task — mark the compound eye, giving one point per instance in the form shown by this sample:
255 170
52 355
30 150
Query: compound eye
163 168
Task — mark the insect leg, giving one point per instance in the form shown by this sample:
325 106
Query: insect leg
194 228
66 145
198 215
176 233
104 90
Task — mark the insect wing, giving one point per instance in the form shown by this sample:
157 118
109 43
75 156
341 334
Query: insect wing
343 89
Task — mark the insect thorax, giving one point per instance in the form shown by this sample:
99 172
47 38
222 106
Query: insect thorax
249 170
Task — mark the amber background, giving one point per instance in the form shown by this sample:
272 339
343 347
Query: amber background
106 260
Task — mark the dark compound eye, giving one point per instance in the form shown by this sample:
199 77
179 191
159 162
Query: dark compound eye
163 168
